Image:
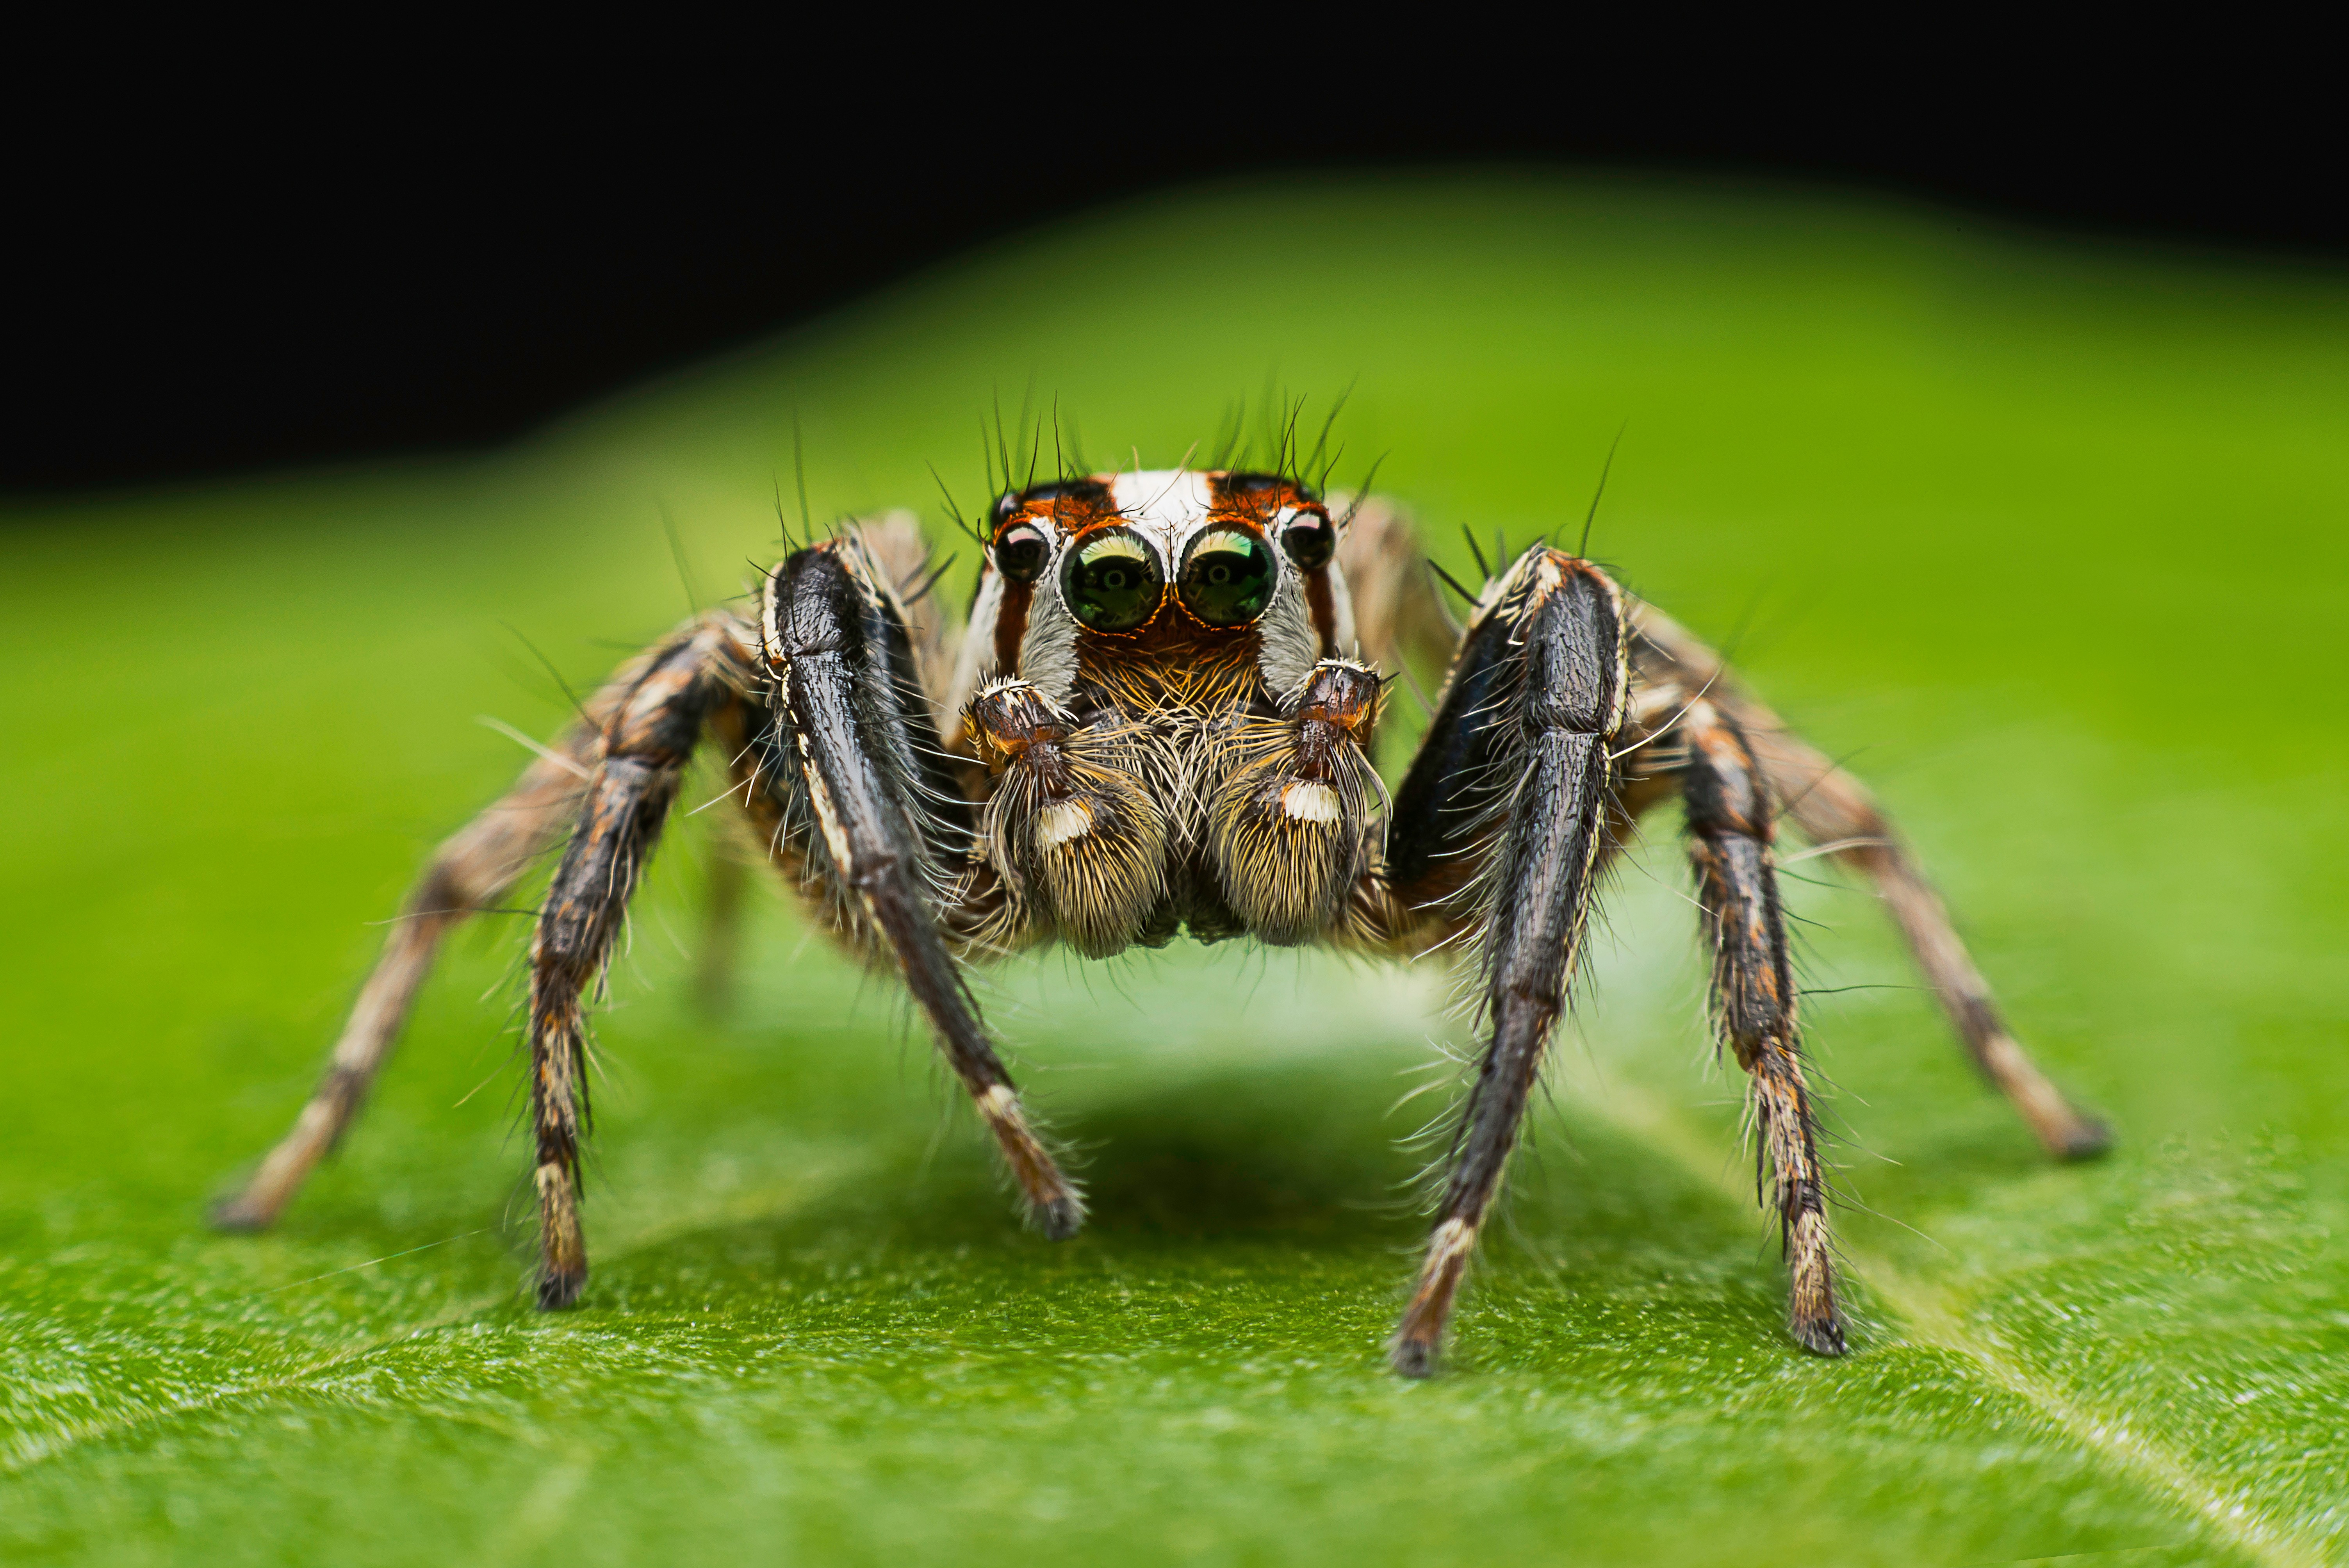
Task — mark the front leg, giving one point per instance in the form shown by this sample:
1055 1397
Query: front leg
855 744
1498 828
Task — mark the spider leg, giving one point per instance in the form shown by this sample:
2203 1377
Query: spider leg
1836 811
468 872
1499 827
1754 1000
651 736
904 560
854 743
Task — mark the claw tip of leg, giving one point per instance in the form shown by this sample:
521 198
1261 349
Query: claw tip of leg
560 1288
238 1217
1823 1336
2086 1139
1059 1219
1413 1358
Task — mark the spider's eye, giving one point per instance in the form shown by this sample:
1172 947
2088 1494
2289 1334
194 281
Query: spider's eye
1310 539
1113 582
1021 554
1226 577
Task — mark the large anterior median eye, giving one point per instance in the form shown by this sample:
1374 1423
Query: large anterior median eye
1226 578
1112 582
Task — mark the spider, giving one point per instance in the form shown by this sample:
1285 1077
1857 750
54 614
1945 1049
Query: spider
1160 721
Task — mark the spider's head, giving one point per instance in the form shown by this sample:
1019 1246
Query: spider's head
1156 554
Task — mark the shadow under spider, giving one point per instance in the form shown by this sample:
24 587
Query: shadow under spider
1294 1156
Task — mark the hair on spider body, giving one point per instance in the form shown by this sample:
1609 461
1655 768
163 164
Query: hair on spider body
1159 720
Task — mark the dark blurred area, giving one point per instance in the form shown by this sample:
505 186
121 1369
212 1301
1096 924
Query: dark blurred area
191 302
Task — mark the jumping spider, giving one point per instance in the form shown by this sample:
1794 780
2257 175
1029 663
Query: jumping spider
1159 720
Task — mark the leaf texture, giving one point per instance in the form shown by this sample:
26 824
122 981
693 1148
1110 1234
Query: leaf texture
2046 536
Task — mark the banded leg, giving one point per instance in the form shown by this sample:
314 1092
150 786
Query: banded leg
855 737
1504 814
1753 1003
647 745
1836 811
468 872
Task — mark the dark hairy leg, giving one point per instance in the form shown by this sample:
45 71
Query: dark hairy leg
1500 825
894 542
873 799
647 743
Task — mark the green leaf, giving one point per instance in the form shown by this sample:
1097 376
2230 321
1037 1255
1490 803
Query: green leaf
2050 537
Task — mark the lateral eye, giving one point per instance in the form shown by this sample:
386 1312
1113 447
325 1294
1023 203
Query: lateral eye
1228 577
1113 582
1021 554
1310 539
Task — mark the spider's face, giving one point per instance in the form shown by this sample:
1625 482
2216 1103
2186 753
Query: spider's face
1121 552
1157 568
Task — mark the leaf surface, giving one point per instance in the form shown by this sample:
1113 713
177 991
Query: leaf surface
2049 539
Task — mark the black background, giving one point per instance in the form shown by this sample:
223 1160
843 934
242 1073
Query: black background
192 300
